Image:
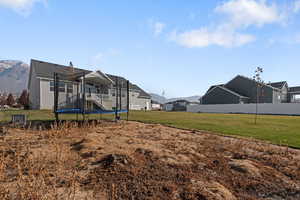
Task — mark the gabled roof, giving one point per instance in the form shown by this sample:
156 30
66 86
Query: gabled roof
294 89
47 70
225 89
211 87
155 102
278 85
142 94
98 77
232 92
245 77
178 101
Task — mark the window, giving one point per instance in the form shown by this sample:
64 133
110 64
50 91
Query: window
51 86
61 86
297 97
113 94
105 90
69 88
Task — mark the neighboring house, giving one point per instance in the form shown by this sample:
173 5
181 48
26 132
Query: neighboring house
156 105
100 88
294 94
241 90
194 103
178 105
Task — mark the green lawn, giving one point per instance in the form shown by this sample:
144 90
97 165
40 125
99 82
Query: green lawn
276 129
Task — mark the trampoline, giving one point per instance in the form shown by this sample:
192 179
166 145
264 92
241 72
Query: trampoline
90 93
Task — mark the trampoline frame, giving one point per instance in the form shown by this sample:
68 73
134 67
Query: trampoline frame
80 78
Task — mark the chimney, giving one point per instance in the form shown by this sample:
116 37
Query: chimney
72 67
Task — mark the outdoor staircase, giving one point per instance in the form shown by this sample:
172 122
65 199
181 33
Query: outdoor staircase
97 99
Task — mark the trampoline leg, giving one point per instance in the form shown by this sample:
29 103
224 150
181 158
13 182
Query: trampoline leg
56 117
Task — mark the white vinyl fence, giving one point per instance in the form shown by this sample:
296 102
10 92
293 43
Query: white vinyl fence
266 108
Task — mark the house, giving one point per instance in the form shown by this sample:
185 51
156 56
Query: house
294 94
243 90
100 88
156 105
178 105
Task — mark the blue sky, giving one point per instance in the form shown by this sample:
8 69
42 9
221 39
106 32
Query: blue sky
180 47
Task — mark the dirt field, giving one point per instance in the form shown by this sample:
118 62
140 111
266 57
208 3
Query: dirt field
131 160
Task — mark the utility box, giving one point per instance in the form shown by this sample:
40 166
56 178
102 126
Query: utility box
19 119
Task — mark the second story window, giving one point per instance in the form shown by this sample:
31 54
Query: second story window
69 88
51 86
61 86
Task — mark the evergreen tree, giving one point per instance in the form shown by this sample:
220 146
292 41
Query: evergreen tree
23 100
10 100
2 100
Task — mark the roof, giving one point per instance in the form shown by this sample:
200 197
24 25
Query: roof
232 92
155 102
47 70
177 101
245 77
225 89
294 89
278 85
98 77
142 94
211 87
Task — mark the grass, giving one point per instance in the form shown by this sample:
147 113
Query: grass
282 130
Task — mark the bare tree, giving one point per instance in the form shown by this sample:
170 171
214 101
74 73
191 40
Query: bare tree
259 85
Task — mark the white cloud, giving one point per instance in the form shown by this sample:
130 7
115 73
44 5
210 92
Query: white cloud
243 13
204 37
21 6
237 16
297 6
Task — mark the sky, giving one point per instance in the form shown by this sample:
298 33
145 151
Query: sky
177 47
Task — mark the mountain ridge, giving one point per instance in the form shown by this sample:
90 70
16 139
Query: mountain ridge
162 99
13 76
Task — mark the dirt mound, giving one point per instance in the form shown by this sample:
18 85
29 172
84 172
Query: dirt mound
3 131
212 190
245 166
130 160
112 160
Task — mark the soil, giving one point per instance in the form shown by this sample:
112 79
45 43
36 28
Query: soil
132 160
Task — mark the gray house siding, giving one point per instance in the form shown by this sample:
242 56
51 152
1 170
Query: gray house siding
47 96
250 91
220 96
284 94
277 95
34 89
41 97
248 87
